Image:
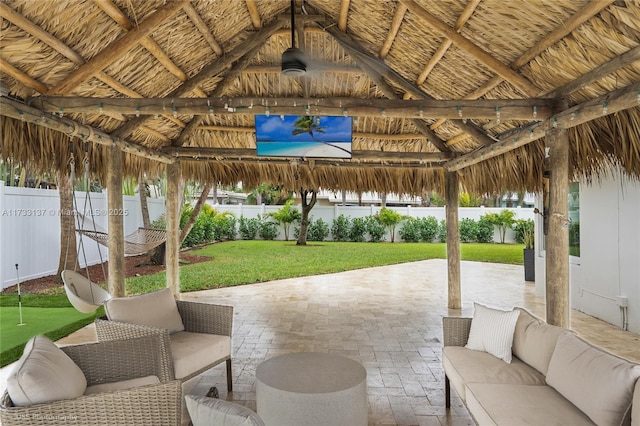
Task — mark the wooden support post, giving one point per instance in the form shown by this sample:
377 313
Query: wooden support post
173 227
115 237
453 240
557 239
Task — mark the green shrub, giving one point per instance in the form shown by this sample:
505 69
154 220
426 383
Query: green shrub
318 230
358 230
428 228
224 227
442 231
340 228
159 223
522 229
248 228
410 230
268 230
574 234
484 231
468 230
375 229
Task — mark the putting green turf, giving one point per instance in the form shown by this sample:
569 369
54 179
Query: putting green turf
37 321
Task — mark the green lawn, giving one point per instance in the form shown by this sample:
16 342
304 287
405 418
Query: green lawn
232 263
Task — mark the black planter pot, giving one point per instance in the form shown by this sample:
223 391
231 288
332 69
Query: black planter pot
529 264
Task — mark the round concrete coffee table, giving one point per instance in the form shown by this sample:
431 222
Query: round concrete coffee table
311 388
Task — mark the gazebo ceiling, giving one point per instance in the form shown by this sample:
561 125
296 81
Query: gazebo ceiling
432 86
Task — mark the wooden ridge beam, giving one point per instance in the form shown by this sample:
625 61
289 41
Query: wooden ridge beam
219 153
618 100
118 48
14 109
510 109
469 47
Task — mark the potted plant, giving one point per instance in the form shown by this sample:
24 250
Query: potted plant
524 235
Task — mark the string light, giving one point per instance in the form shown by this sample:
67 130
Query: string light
530 133
266 111
459 109
605 108
61 113
383 112
294 103
175 112
421 111
554 122
21 115
574 114
498 115
137 111
307 110
535 111
251 104
100 109
344 111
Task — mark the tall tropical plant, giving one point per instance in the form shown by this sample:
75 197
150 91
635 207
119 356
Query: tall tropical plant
285 216
390 219
307 205
503 220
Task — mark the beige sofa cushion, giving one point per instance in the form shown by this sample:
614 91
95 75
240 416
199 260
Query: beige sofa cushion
598 383
534 340
492 331
122 385
635 407
43 374
520 405
155 309
193 351
212 411
463 366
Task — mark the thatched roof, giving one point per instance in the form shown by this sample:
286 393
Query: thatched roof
510 56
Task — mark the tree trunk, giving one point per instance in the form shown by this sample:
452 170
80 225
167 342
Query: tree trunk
306 208
144 206
194 214
68 250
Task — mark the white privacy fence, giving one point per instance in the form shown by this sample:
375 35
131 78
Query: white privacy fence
30 225
30 229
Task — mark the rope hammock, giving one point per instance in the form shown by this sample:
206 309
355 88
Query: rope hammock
138 242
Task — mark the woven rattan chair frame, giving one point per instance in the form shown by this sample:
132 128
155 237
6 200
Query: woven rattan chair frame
455 333
106 362
197 318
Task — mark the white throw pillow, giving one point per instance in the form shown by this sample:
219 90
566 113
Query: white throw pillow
155 309
206 411
492 331
44 374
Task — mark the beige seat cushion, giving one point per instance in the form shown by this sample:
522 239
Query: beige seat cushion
193 351
122 385
520 405
155 309
534 340
43 374
212 411
464 366
597 382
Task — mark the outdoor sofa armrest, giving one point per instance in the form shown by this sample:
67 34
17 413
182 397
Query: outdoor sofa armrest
206 318
456 330
114 330
152 405
117 360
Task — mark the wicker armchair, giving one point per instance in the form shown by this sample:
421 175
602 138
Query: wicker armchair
107 362
196 317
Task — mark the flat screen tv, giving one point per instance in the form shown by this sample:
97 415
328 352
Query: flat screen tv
303 136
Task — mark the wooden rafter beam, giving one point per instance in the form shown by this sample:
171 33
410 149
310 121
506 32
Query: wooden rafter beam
219 153
14 109
214 68
22 77
615 101
344 15
254 14
118 48
469 47
398 16
199 23
510 109
312 163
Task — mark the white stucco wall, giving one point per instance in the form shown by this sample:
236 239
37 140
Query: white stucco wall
609 262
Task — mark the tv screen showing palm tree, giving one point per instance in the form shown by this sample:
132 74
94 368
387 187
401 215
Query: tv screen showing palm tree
303 136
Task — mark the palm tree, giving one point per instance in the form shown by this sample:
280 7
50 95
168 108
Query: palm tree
307 205
310 124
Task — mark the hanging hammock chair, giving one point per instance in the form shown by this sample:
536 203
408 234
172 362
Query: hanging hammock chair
84 295
138 242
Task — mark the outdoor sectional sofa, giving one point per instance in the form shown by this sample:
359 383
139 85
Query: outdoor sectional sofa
554 377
